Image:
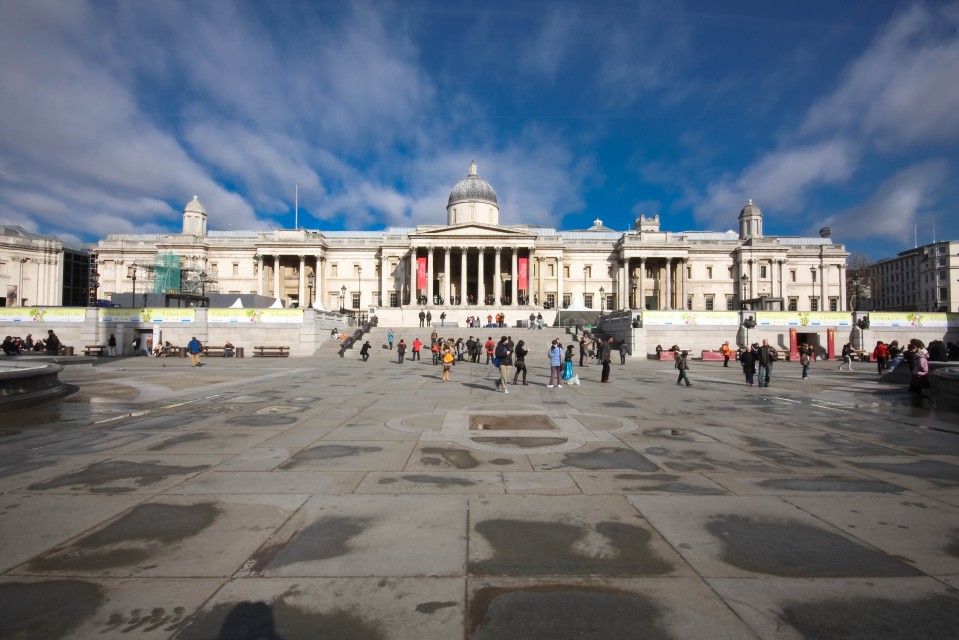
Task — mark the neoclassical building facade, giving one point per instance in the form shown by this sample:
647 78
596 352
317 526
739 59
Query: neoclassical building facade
473 261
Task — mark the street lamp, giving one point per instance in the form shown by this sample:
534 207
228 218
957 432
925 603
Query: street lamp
359 290
311 280
602 298
343 299
133 271
744 279
203 288
632 284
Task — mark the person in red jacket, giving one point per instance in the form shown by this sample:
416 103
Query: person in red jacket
416 349
489 346
880 354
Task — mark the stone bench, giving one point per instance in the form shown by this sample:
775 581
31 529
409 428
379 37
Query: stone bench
271 352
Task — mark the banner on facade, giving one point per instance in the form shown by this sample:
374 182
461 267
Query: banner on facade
42 314
255 316
912 319
803 318
690 318
421 273
158 316
523 281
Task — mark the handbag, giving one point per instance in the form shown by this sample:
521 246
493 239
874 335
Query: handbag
495 362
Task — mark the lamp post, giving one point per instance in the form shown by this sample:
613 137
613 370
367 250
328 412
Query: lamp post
602 298
343 299
744 279
133 271
359 290
203 289
632 284
310 281
95 289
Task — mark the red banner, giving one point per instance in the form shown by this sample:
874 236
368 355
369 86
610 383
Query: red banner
421 273
523 281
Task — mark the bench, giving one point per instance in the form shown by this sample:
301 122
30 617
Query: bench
716 355
269 351
94 350
218 351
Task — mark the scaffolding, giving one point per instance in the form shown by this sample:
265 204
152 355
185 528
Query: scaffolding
166 273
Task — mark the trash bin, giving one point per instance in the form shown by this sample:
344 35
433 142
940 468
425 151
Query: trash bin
68 351
182 351
239 352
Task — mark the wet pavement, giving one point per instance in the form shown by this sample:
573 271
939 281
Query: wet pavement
326 497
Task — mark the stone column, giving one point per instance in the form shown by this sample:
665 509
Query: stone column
412 282
540 294
669 284
276 276
823 289
462 292
429 276
320 280
515 279
448 279
384 268
622 295
481 278
641 291
260 274
301 292
842 290
684 265
497 280
559 282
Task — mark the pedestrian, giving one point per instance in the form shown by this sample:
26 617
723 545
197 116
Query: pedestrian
490 347
606 350
417 345
519 360
895 356
682 364
920 370
401 350
726 351
435 350
443 319
365 351
112 346
623 351
194 348
448 359
422 317
846 357
429 319
804 360
389 339
747 359
583 352
532 320
767 356
555 355
539 320
503 360
53 343
879 354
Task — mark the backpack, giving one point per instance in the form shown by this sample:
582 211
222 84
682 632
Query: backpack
804 359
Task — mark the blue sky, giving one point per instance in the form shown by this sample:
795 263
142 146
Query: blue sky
840 114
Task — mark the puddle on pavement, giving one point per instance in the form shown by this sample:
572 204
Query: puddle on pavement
326 538
850 448
953 547
790 459
101 473
327 452
562 611
831 483
434 480
943 474
609 458
667 484
699 460
931 618
792 549
27 607
523 548
12 464
274 621
520 443
432 607
453 457
144 531
254 420
278 410
512 423
184 439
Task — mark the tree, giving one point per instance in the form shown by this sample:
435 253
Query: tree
859 282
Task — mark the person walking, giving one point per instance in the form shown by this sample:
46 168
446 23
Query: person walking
846 357
112 346
804 360
623 352
555 355
401 350
53 343
389 339
726 351
606 350
879 354
682 364
365 351
442 319
583 352
519 360
767 356
194 348
490 347
747 359
504 359
448 359
429 319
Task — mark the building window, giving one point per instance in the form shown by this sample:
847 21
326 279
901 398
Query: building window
710 303
834 304
333 270
689 272
793 303
567 297
813 272
689 302
762 271
356 300
393 299
709 273
551 299
587 300
552 270
729 273
566 272
587 272
730 303
236 268
356 270
814 304
792 275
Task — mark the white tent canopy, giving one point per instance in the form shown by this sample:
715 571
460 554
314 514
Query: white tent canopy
237 305
277 304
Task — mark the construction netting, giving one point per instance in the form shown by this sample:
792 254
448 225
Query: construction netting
166 273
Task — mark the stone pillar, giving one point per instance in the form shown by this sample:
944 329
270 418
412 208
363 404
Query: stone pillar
384 269
429 276
842 290
462 291
481 277
260 274
412 282
497 280
684 265
668 305
448 280
540 294
823 289
622 295
515 280
559 282
320 279
301 287
641 291
276 276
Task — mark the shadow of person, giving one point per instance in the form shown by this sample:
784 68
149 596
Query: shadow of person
249 621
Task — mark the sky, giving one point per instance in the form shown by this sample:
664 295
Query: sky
362 115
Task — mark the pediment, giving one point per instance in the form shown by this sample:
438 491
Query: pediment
472 230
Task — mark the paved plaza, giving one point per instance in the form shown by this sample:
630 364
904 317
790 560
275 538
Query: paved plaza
331 498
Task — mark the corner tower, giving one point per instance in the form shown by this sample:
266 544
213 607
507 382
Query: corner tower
750 222
194 218
472 200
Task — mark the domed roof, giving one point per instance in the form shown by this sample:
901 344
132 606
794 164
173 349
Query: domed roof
750 210
194 206
472 188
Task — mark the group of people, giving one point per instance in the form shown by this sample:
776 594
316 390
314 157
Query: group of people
757 362
15 345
